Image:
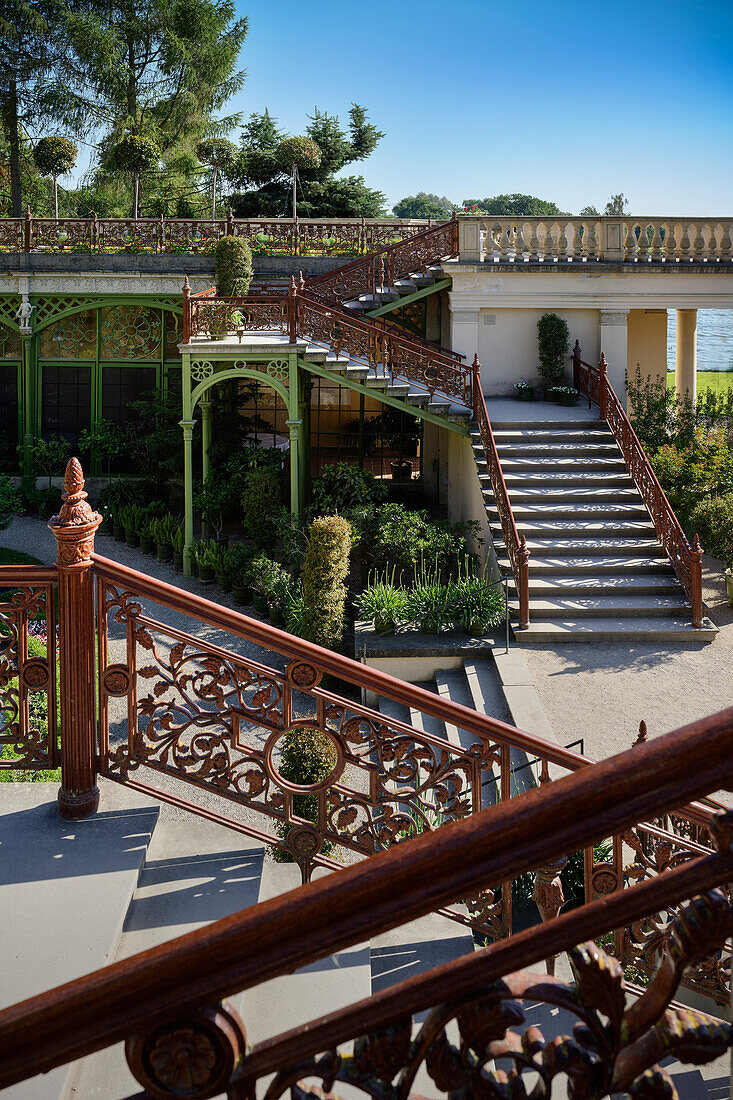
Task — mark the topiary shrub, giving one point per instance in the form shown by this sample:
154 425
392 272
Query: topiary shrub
299 152
553 340
234 272
10 504
260 500
306 756
325 566
713 521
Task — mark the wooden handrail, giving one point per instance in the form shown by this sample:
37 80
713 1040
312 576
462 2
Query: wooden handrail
686 557
516 545
383 892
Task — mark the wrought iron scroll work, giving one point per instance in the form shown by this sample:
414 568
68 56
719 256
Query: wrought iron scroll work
500 1050
24 743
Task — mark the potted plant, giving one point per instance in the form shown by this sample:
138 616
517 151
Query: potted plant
177 541
118 527
524 391
481 605
211 501
147 535
206 563
280 586
219 559
382 603
566 395
427 603
50 456
132 518
553 341
163 538
239 563
114 496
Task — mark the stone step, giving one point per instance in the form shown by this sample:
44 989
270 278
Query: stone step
489 697
606 605
528 464
610 629
427 723
569 495
602 547
578 584
567 480
564 510
550 437
573 425
584 529
577 451
557 565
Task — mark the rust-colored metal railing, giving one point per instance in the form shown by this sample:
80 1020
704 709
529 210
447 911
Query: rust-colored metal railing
516 544
277 236
166 1004
381 269
686 557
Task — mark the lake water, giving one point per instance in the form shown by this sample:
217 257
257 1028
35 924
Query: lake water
714 339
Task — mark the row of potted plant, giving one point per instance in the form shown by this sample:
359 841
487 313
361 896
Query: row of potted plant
563 395
251 577
470 603
146 528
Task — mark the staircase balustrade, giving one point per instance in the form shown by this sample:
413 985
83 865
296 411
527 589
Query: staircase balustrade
166 1003
686 557
609 239
516 545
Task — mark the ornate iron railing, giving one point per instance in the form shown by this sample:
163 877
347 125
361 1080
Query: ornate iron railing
166 1004
516 544
614 239
276 236
385 350
686 557
381 269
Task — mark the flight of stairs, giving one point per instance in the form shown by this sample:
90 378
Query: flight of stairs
597 570
402 288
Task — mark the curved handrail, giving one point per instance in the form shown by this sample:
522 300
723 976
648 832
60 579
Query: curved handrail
386 891
516 545
686 558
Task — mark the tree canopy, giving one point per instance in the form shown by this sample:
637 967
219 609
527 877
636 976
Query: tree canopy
424 205
262 173
513 205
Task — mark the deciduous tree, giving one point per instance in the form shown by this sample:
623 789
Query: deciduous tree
55 156
424 205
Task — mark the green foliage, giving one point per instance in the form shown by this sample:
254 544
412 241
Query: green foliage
402 539
212 500
423 205
382 603
50 455
712 519
343 487
219 153
103 442
509 205
553 340
115 495
307 756
154 437
134 154
260 499
263 168
688 474
38 720
10 502
55 155
239 561
325 566
617 205
234 272
299 152
480 605
659 415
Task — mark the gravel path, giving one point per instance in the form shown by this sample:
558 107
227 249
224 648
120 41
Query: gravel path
600 692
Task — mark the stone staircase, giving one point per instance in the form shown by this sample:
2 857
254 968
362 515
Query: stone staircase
597 570
402 288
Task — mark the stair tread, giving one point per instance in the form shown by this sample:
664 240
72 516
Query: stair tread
563 508
591 527
607 603
619 629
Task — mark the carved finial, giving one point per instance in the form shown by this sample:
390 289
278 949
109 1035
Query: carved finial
74 512
642 733
186 286
28 210
603 364
292 282
301 280
476 363
721 826
696 547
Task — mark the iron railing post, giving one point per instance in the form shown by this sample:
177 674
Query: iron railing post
293 312
186 326
602 390
230 223
74 528
576 368
27 230
523 556
475 383
696 582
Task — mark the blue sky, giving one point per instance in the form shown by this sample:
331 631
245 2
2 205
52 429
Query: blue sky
569 101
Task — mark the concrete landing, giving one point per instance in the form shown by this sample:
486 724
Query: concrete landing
64 890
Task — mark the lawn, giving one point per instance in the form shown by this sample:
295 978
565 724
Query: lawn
707 379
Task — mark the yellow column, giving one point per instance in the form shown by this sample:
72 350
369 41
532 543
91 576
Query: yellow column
685 371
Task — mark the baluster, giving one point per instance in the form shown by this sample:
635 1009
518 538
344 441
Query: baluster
504 242
534 244
643 242
549 897
698 244
562 243
629 253
725 243
577 245
683 248
712 248
656 245
590 240
548 245
670 242
519 246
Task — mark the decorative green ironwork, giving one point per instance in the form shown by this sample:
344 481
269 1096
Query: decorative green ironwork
280 369
201 370
130 332
10 343
73 337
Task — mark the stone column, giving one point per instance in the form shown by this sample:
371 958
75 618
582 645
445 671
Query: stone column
205 407
188 426
614 343
685 370
469 241
74 528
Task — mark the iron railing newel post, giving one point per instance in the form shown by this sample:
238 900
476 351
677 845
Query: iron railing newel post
602 390
576 367
523 555
293 311
186 325
27 229
230 223
475 383
696 582
94 233
74 528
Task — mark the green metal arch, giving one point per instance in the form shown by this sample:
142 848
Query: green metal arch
240 372
131 300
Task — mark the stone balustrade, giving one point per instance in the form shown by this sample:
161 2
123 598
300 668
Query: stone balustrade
568 239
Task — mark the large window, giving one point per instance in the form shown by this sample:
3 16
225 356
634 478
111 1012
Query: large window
66 399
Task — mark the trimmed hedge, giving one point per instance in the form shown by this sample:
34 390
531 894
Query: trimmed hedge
234 271
260 499
307 756
713 521
325 566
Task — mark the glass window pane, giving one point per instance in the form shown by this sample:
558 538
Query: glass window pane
9 344
120 385
130 332
8 416
71 338
66 407
173 335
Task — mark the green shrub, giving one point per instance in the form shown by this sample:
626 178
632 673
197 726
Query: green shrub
301 152
212 500
553 339
688 474
10 502
342 487
325 566
402 539
712 519
307 756
480 605
260 500
239 559
233 258
382 603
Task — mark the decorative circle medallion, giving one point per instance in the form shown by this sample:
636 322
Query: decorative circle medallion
35 674
116 680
